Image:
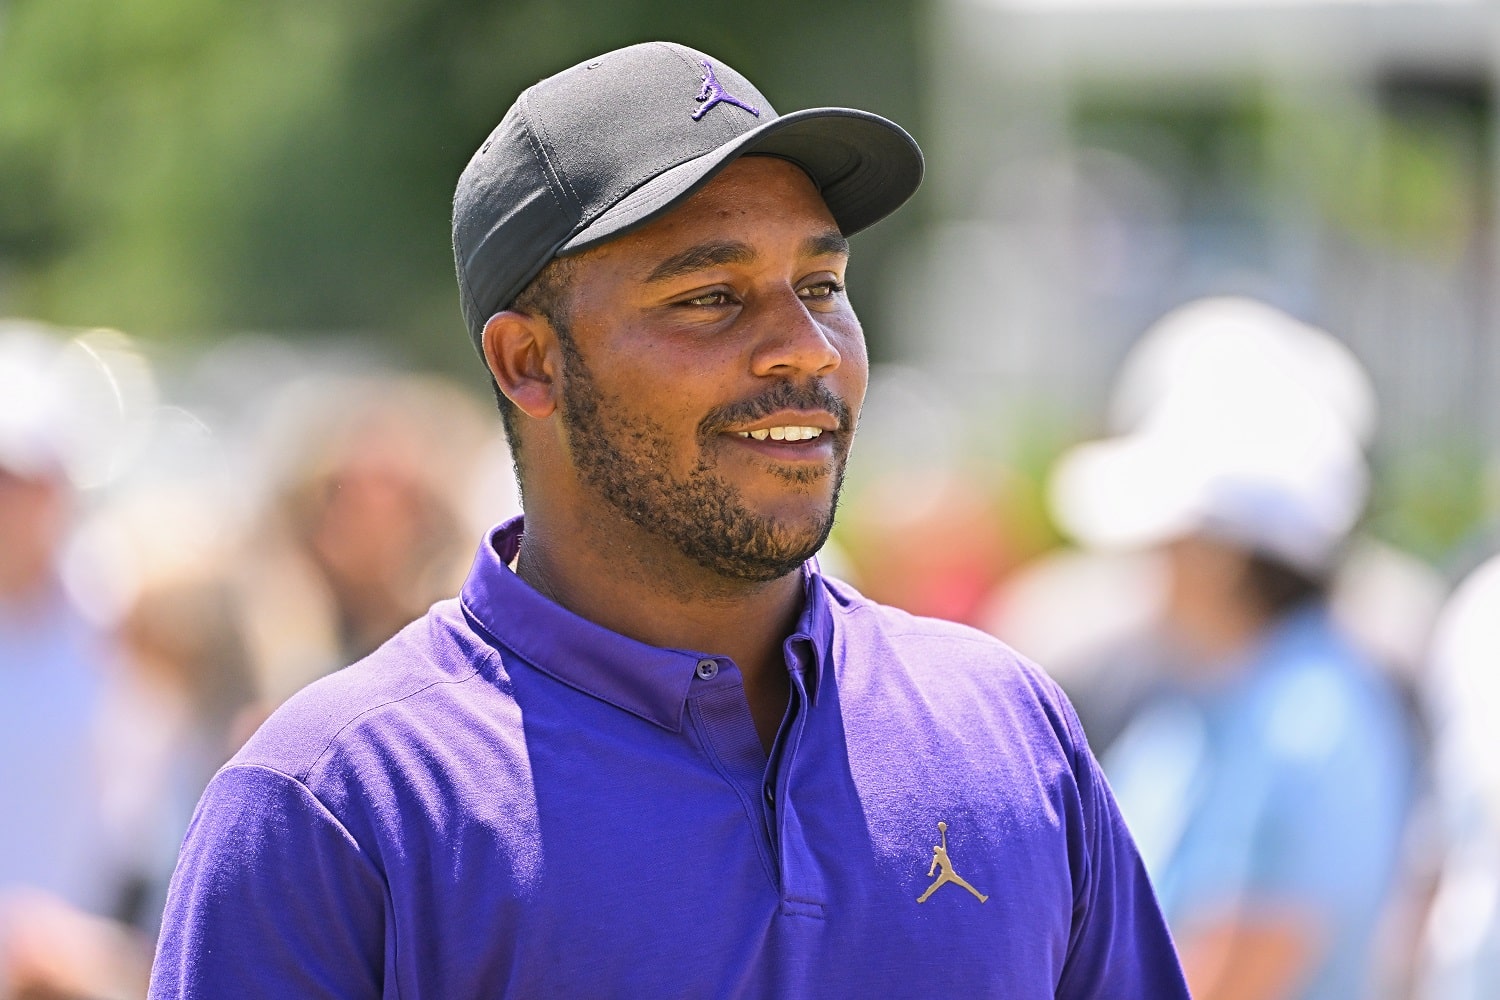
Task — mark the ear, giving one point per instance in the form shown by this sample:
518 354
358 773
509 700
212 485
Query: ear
520 350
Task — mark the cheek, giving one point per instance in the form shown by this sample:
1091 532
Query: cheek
670 386
853 375
653 411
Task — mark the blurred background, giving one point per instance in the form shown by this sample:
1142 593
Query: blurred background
1186 369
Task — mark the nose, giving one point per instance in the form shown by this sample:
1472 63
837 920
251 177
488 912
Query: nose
796 341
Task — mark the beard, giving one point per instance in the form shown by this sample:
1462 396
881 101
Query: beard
626 461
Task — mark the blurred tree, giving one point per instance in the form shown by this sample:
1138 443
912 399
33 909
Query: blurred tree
181 168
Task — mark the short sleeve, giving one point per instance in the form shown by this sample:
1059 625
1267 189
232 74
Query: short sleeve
271 897
1119 948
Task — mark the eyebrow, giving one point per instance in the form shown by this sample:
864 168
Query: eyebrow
827 244
719 252
703 255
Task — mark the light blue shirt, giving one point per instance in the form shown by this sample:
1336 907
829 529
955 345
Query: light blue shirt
51 691
1286 785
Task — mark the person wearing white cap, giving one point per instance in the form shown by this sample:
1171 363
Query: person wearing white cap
56 876
49 656
1268 780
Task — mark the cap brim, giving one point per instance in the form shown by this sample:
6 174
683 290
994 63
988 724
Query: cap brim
1294 498
864 165
1123 493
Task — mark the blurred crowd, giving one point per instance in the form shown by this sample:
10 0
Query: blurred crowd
170 572
1296 717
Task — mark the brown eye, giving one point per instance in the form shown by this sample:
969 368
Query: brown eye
822 290
709 299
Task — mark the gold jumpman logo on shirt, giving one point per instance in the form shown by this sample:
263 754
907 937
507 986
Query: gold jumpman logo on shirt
940 860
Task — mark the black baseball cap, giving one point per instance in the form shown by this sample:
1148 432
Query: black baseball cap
612 143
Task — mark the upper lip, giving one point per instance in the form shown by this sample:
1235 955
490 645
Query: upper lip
821 419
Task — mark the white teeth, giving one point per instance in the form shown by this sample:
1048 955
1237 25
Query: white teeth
783 433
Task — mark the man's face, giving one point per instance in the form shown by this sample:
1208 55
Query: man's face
714 370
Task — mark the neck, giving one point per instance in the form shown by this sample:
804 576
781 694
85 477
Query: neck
1220 632
615 574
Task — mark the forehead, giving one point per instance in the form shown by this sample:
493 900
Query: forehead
764 201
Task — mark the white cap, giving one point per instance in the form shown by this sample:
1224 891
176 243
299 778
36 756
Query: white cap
34 431
1232 445
1466 642
77 405
1228 344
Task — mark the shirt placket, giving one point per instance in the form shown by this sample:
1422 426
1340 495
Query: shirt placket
765 785
801 882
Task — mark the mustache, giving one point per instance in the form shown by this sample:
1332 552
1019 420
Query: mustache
784 395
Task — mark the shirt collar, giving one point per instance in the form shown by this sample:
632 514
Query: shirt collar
648 681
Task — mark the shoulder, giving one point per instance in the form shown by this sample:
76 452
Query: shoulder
386 699
946 648
963 673
1320 698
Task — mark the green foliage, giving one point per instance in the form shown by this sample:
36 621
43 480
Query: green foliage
183 168
1430 501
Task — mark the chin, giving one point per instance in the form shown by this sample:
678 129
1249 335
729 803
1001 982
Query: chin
758 549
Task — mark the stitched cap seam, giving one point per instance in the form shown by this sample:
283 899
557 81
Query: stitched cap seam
694 66
543 139
471 301
555 177
637 183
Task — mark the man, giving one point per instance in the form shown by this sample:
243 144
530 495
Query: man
1267 764
650 750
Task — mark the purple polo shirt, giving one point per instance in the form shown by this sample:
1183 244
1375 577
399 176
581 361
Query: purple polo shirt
508 800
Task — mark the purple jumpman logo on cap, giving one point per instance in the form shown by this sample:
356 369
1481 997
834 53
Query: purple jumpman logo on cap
713 93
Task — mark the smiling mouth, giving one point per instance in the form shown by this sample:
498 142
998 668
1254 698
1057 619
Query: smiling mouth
782 433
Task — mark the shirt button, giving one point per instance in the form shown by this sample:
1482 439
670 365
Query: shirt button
708 669
771 794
